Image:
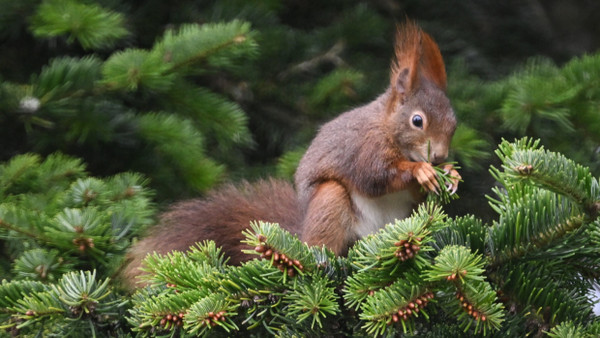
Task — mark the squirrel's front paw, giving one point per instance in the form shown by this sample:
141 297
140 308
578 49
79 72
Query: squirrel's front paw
426 176
454 176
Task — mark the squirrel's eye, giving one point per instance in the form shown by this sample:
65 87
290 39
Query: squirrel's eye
417 121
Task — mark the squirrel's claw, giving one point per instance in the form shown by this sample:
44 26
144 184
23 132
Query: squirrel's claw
454 175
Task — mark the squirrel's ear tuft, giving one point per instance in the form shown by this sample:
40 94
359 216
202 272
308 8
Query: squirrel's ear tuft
405 67
417 57
432 64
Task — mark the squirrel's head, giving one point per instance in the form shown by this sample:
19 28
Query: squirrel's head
420 116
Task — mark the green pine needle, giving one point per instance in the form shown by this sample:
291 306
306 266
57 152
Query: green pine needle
135 68
91 25
456 263
269 235
41 264
210 312
314 299
380 250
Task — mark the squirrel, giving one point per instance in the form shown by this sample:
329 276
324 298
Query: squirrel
363 169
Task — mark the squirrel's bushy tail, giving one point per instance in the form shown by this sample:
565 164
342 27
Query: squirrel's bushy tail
220 216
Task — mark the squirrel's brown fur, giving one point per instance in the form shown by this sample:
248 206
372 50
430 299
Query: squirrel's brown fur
363 169
220 216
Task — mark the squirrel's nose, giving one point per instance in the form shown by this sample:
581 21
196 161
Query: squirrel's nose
439 157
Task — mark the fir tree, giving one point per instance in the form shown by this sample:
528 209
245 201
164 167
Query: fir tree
528 272
55 222
142 109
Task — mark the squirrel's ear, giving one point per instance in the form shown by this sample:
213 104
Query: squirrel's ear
405 67
432 64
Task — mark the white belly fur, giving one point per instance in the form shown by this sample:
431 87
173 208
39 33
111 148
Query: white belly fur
374 213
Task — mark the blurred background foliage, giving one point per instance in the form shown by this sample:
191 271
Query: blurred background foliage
193 93
190 94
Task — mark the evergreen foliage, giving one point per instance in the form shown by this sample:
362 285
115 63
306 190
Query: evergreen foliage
55 219
188 92
144 109
510 277
529 272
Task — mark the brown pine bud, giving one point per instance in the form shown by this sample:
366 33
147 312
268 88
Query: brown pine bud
410 234
268 254
407 245
261 238
222 318
400 313
211 314
483 318
465 305
163 322
371 292
405 317
464 272
260 248
291 272
409 312
398 244
419 239
415 247
418 301
180 323
411 305
276 257
395 318
297 263
470 307
408 252
29 313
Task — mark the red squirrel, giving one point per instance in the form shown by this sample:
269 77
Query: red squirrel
364 169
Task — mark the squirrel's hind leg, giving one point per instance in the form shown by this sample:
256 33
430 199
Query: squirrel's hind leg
329 218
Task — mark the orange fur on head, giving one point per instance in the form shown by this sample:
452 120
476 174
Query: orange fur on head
408 53
417 55
432 64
